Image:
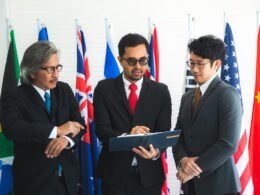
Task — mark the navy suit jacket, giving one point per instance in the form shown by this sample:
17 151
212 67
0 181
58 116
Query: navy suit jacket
212 134
27 123
113 118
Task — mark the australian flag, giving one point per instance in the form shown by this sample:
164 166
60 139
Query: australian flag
89 146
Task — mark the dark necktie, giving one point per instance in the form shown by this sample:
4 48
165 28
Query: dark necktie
132 99
48 107
47 101
196 99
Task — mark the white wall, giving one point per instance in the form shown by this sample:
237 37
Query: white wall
170 16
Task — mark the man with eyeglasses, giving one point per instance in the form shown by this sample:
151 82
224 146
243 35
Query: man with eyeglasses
210 119
131 104
42 119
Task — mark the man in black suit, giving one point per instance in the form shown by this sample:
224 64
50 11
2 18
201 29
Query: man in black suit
210 119
43 120
137 172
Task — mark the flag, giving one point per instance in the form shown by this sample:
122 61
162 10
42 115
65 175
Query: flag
10 81
43 33
190 82
230 74
255 126
153 69
153 74
89 146
112 69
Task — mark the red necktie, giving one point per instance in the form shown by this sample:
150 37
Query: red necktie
132 99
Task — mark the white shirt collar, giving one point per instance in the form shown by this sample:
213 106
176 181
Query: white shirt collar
205 85
127 83
41 91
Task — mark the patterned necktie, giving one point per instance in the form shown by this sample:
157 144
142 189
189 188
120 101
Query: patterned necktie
47 102
132 99
196 99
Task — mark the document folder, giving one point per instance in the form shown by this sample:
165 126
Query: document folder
159 140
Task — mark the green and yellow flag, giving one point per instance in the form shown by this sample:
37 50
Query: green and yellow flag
10 81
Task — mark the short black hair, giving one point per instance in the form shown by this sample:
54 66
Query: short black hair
208 46
131 40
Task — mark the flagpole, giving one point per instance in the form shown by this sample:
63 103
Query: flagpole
225 22
38 24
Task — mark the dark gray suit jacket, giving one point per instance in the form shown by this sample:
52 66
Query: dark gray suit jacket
113 118
212 134
27 123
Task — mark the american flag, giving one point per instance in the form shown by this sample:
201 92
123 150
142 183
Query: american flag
89 147
230 74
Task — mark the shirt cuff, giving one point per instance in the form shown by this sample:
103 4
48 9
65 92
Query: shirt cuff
53 134
72 143
158 156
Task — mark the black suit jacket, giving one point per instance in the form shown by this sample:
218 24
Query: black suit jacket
27 123
113 118
212 134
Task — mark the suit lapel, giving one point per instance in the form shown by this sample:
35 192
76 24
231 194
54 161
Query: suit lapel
34 96
206 95
122 93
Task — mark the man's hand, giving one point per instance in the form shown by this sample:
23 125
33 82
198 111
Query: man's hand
183 177
69 127
147 154
55 147
189 166
139 130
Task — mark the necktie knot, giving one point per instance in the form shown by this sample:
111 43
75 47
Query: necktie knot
133 87
47 101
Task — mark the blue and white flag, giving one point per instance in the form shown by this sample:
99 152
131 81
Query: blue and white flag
43 33
111 69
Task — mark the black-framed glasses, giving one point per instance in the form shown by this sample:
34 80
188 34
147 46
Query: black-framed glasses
143 61
198 65
51 69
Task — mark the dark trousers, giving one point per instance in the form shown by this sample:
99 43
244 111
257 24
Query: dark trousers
61 186
133 186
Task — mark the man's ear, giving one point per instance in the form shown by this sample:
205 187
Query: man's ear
32 76
217 64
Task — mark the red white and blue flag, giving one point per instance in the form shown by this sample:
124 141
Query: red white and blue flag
153 69
111 69
230 74
153 74
89 146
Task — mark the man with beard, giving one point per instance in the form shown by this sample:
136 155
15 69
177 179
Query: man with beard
131 104
43 120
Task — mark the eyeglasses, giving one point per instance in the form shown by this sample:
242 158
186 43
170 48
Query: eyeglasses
143 61
51 69
198 65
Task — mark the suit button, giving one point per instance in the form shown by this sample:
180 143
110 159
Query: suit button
191 136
